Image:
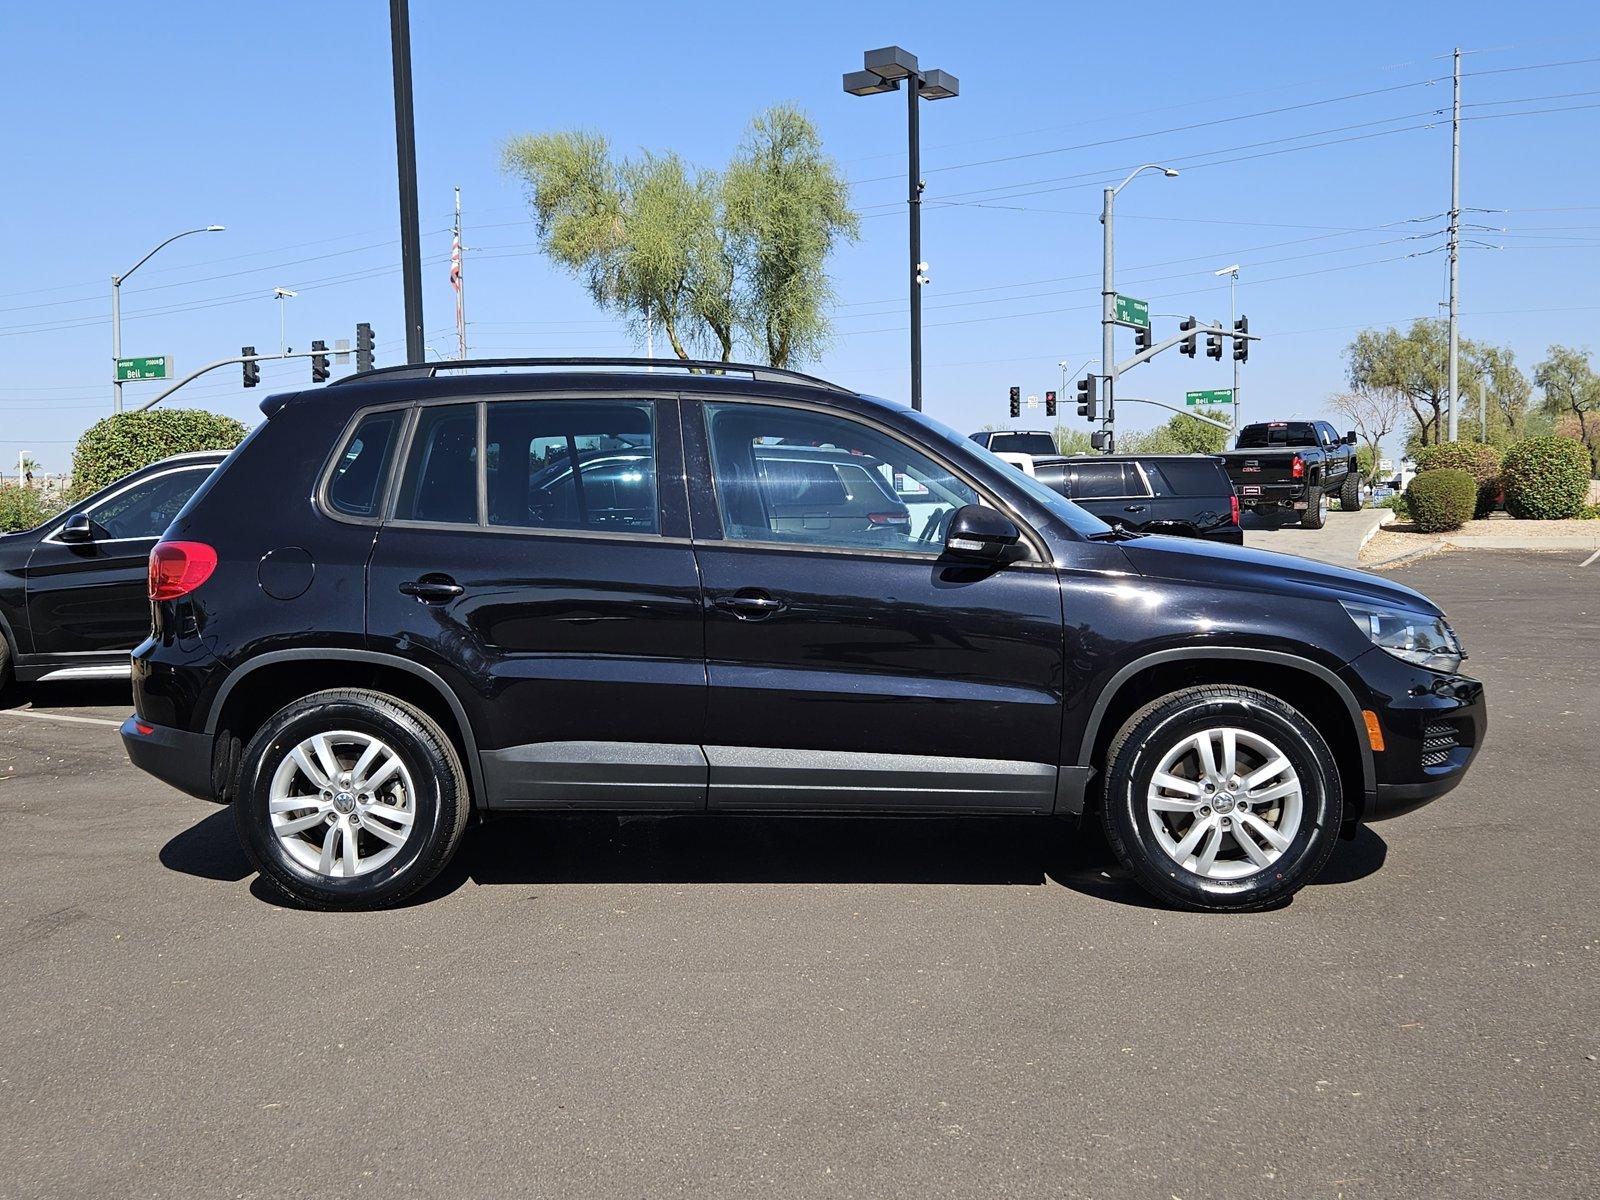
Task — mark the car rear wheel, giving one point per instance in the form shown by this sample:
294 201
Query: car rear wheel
350 799
1221 798
1316 514
1350 493
5 663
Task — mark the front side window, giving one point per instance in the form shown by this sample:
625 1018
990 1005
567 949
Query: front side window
816 479
146 509
356 485
441 478
572 464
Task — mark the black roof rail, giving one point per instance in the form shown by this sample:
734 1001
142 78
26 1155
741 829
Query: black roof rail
431 370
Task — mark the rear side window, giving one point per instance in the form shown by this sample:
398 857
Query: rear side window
356 486
441 478
1105 481
556 464
786 481
1188 477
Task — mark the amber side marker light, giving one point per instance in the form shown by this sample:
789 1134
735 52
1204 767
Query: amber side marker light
1374 730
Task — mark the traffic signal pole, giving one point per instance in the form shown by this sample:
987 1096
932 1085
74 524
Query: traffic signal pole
405 138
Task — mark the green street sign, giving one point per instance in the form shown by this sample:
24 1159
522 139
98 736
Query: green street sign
1213 396
144 368
1133 312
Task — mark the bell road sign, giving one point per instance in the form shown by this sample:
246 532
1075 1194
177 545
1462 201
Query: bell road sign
1214 396
1133 312
144 368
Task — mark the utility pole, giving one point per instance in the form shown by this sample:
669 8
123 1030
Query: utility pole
914 201
405 139
1455 239
458 281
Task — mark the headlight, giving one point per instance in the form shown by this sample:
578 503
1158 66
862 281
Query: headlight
1415 637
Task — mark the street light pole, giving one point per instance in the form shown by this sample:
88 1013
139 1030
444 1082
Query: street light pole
884 71
405 136
116 308
1108 287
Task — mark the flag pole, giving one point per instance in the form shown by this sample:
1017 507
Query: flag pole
456 278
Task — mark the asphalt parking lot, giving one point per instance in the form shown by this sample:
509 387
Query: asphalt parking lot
812 1007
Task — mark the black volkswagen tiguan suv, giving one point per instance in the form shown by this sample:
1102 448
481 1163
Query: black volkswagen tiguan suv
397 602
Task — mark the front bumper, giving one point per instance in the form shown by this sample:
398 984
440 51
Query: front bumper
171 755
1432 724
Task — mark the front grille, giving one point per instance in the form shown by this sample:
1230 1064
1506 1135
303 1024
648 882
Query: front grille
1438 739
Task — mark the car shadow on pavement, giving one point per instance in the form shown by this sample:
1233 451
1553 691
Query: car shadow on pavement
84 693
722 849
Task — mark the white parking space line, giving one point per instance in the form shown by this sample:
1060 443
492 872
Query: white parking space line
39 716
1590 559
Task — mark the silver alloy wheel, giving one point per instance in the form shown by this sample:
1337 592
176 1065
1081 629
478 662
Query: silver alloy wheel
341 804
1225 803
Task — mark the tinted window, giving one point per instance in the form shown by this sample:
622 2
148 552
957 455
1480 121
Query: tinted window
357 482
1276 433
1022 443
441 479
531 451
791 475
1187 477
1100 481
146 509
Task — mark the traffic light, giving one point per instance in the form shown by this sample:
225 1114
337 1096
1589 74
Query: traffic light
1141 338
1241 345
363 347
252 370
1187 346
1089 397
1016 402
1049 404
319 363
1214 346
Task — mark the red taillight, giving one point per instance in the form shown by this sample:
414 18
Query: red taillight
1233 503
1298 469
142 729
177 568
889 518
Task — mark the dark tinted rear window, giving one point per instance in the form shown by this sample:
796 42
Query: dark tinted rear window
1022 443
357 484
1276 433
1188 477
1103 481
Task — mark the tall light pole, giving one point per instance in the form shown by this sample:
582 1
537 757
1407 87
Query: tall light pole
116 308
280 295
1233 316
405 142
1108 287
885 69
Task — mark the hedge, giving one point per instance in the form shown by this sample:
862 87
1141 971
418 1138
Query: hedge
112 447
1442 500
1477 459
20 508
1546 479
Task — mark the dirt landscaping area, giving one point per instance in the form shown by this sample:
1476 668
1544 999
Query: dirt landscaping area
1401 541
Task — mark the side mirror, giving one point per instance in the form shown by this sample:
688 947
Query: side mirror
1350 438
79 528
980 534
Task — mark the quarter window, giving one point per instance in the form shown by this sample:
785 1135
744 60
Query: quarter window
356 485
815 479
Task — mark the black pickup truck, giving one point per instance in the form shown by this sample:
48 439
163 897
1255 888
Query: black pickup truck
1294 466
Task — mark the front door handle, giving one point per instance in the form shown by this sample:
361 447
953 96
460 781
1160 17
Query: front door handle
1134 508
432 589
750 606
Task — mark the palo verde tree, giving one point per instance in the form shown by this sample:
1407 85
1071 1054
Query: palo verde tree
1571 389
715 258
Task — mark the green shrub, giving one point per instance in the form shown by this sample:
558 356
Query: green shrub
1396 502
20 508
1480 461
1546 479
112 447
1442 500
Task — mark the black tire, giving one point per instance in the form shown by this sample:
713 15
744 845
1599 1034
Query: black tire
5 664
1160 727
1350 493
1316 513
440 804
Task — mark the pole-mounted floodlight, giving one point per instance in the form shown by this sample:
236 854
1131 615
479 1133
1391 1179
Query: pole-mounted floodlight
885 68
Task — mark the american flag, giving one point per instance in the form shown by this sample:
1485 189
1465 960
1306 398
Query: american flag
455 262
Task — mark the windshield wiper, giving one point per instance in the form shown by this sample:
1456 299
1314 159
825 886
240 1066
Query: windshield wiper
1115 534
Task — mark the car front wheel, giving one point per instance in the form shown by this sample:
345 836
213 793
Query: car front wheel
350 799
1221 798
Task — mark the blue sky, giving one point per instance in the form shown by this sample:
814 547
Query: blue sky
127 123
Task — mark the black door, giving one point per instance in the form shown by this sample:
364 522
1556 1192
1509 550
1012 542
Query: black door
538 559
1116 492
91 598
850 666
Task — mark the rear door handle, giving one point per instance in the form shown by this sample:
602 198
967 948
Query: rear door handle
432 589
1135 508
750 606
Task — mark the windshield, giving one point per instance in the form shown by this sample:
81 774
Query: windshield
1080 521
1276 433
1022 443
